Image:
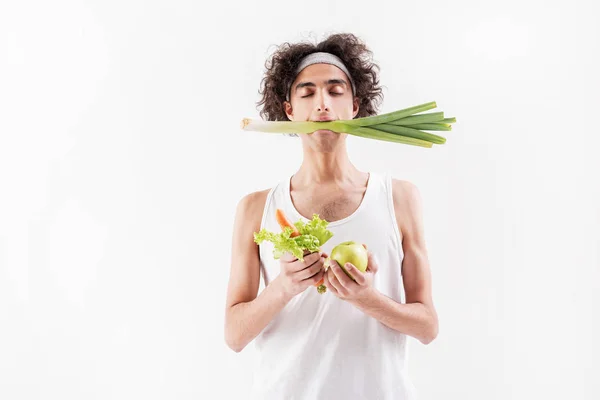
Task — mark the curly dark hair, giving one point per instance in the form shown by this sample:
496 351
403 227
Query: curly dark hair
280 73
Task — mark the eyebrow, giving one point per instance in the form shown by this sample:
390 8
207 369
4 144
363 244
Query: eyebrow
329 82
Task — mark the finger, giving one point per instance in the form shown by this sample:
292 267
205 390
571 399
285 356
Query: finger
358 276
334 282
315 278
328 284
311 271
372 265
365 246
312 258
288 257
342 278
308 261
320 277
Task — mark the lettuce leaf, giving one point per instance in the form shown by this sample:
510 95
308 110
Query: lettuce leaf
312 236
316 227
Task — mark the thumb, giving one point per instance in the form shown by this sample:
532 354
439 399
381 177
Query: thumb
372 263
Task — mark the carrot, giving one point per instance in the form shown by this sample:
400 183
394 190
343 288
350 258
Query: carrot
284 222
321 288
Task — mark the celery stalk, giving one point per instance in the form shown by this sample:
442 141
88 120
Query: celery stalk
283 126
401 126
392 116
419 119
371 133
410 132
432 127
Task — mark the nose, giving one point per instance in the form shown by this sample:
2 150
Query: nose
322 103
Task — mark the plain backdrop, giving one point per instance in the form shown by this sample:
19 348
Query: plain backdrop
122 161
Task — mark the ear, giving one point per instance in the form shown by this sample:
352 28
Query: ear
289 111
355 107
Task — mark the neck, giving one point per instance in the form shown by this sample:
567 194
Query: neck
326 167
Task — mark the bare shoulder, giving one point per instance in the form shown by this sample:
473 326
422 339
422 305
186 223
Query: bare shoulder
407 205
252 205
405 194
249 214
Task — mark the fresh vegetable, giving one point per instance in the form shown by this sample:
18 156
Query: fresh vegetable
297 238
401 126
285 223
350 252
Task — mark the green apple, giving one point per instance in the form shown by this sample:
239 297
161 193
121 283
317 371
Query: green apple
350 252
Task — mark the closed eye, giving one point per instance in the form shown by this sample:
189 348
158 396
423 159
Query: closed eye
331 93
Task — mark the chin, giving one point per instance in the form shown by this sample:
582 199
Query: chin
325 141
325 136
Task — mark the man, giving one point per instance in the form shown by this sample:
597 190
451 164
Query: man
350 342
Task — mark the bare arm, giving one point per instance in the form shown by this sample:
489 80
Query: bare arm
418 317
246 314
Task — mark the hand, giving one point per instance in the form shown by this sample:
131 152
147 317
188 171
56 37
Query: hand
295 275
344 287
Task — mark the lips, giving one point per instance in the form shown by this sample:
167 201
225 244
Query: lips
323 119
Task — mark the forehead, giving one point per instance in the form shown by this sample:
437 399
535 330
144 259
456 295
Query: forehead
318 73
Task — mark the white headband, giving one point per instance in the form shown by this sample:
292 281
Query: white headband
321 58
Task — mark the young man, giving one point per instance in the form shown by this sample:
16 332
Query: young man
350 342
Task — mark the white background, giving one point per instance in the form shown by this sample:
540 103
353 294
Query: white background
122 161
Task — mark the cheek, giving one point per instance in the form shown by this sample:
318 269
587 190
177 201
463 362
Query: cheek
301 111
342 108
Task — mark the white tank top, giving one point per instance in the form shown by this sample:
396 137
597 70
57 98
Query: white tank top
322 347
